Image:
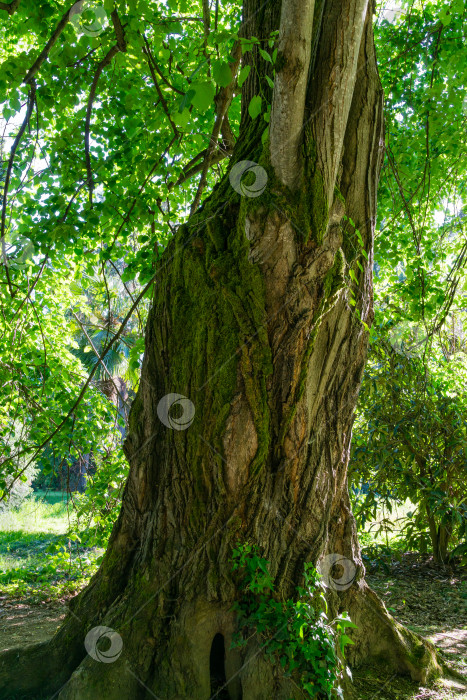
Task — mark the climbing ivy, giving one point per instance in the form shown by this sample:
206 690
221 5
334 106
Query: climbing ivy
297 634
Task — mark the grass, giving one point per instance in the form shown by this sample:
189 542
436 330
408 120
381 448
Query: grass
44 511
39 558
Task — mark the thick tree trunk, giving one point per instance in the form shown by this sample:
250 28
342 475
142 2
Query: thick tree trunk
252 324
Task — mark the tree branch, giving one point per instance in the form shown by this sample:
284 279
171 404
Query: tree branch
147 53
330 92
190 172
119 32
227 134
10 7
92 94
46 50
290 86
19 135
207 29
223 103
162 76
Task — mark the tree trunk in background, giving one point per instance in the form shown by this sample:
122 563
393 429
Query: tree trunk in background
440 536
252 324
444 535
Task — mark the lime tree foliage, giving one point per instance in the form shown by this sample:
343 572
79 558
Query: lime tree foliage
421 241
107 117
296 634
410 435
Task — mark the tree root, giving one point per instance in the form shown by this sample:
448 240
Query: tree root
40 668
380 638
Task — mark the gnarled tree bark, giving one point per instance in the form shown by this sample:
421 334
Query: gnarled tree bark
252 323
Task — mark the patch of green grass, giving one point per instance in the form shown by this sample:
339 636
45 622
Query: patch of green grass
40 512
38 556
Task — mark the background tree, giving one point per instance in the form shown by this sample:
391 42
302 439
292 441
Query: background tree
416 376
410 443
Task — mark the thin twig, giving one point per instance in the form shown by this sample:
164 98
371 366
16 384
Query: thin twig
126 218
92 94
128 292
100 360
19 135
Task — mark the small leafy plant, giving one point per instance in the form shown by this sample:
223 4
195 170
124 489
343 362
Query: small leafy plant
295 633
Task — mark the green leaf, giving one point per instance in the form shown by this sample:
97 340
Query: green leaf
265 55
182 119
204 95
243 75
221 73
186 100
254 108
344 640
